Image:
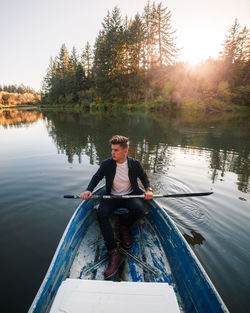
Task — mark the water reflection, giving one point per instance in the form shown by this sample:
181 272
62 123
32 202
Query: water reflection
195 239
153 138
193 152
18 118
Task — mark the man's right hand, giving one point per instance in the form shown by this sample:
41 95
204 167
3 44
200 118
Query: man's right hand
86 195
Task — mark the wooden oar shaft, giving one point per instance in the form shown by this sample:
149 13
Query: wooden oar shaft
181 195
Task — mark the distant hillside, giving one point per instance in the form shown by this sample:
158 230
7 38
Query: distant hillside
13 98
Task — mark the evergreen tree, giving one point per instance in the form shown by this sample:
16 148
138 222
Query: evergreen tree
136 59
87 60
71 87
149 35
136 39
244 45
63 61
235 55
165 42
62 70
108 57
50 82
236 45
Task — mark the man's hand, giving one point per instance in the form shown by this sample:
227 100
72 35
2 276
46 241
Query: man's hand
148 194
86 195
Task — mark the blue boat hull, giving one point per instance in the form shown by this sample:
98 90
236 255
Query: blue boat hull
159 254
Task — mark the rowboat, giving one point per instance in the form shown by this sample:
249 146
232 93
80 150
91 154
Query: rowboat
160 273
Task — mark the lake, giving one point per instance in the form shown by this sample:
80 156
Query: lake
46 153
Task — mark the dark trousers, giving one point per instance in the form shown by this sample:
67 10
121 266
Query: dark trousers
135 207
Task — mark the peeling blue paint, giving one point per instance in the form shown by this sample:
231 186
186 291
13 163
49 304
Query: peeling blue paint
167 250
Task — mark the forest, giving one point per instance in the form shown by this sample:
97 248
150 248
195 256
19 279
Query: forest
134 63
14 95
21 89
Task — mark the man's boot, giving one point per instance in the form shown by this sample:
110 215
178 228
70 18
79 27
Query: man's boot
125 237
115 260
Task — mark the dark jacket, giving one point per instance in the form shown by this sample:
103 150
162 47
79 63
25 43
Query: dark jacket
107 169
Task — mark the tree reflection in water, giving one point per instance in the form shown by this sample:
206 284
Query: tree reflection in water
153 139
18 118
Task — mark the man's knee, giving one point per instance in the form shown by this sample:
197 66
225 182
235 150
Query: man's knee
138 206
102 213
104 210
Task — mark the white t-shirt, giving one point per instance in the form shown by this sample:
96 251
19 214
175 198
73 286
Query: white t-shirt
121 183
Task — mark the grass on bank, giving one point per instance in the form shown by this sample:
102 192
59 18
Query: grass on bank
189 107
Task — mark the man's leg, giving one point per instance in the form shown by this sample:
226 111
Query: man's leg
115 258
106 207
136 210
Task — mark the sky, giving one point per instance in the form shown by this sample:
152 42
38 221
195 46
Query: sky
32 31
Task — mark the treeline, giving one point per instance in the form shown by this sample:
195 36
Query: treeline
8 99
13 95
134 61
17 89
120 68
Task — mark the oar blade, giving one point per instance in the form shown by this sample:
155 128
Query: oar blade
184 195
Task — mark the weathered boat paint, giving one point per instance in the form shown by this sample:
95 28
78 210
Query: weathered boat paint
157 240
61 261
196 290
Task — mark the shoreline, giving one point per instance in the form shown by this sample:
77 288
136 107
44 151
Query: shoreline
150 108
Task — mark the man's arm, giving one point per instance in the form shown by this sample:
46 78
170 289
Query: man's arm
148 194
143 176
93 183
144 179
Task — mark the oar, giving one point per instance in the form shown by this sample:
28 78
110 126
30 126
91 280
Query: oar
180 195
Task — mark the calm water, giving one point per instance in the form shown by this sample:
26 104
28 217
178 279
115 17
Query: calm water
46 154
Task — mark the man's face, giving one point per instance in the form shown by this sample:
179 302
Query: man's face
119 154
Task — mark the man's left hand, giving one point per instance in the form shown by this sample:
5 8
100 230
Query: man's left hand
148 195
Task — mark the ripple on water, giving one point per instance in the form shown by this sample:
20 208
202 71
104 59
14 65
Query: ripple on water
187 213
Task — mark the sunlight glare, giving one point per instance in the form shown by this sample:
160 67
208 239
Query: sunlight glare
199 44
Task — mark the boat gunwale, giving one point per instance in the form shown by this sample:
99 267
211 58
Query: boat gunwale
166 219
53 261
191 253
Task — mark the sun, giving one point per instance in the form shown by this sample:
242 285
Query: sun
199 43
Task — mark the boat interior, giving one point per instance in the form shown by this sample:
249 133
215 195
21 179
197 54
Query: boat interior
144 262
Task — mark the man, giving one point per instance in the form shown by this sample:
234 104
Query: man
121 173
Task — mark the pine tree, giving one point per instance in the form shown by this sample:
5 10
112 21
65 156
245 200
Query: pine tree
63 61
62 73
108 57
136 59
163 35
236 45
48 81
244 45
149 35
71 84
87 60
136 39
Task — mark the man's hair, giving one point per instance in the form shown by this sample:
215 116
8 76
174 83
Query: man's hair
119 140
